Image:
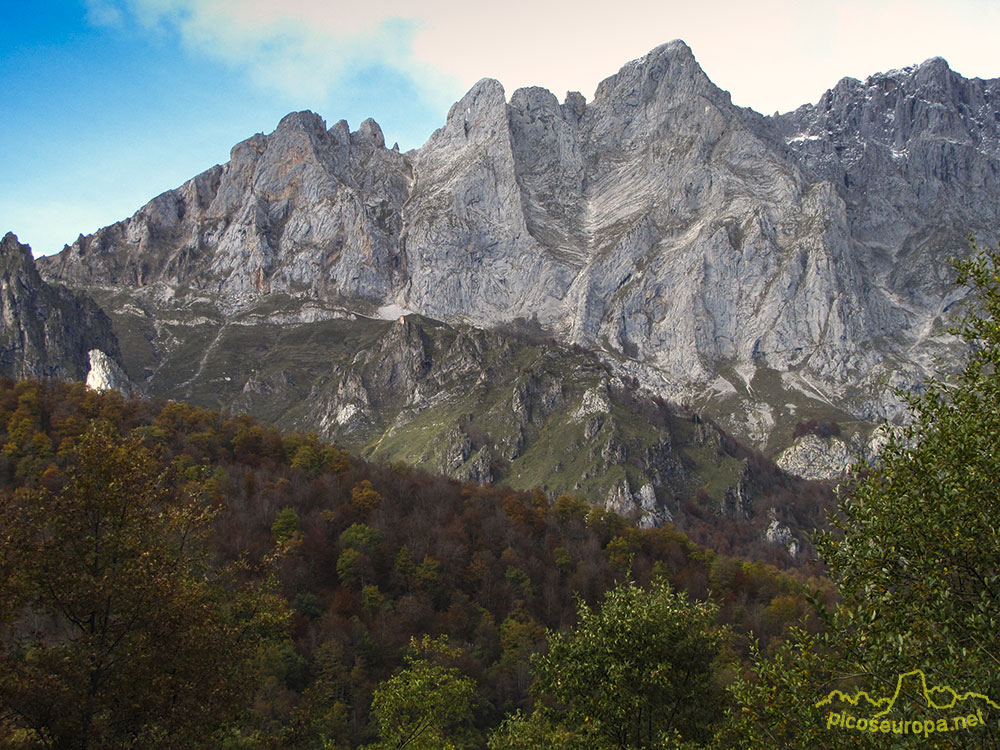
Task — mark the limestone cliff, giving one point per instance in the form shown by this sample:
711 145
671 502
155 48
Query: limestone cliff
757 267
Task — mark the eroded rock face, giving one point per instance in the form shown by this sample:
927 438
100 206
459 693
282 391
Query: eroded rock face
694 242
305 209
47 330
906 149
813 457
778 533
107 375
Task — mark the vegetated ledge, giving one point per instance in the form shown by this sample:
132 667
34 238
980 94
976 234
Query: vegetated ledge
510 405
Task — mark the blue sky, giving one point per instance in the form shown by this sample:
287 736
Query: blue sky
109 102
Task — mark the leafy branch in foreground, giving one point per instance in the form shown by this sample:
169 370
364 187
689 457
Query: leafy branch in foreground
915 553
423 704
640 671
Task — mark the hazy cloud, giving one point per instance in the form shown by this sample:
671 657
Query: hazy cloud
104 13
299 48
774 54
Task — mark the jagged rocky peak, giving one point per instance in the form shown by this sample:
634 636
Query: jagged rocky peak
477 116
919 101
544 133
47 331
11 248
340 132
287 213
311 125
661 73
17 267
15 259
935 70
536 99
305 121
915 154
369 133
575 104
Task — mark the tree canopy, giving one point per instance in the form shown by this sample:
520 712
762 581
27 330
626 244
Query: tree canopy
423 705
637 672
114 630
369 557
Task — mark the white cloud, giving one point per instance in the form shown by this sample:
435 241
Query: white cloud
771 54
302 48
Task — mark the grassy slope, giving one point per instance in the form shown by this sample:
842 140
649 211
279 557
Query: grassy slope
510 406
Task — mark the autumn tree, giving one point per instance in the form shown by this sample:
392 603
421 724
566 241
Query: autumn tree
114 631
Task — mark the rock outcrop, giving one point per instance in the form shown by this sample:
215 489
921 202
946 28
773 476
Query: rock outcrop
305 209
814 457
48 331
107 375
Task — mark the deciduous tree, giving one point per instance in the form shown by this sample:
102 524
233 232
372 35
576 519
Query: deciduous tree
423 705
114 632
640 669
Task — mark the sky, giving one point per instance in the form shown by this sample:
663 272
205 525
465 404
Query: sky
107 103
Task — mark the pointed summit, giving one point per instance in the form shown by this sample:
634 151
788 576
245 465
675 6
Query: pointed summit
658 73
16 258
486 96
934 64
10 244
481 113
304 120
369 132
935 73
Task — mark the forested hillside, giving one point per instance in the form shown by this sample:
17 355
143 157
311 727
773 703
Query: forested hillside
364 557
176 577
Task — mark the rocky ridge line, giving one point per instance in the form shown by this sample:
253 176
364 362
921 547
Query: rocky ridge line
693 242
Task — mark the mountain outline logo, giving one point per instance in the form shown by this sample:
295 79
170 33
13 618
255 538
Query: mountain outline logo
936 698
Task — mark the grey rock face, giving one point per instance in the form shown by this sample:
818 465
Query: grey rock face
915 156
778 533
47 330
302 210
904 147
693 242
812 457
485 406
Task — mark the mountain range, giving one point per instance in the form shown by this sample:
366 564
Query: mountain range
519 298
